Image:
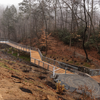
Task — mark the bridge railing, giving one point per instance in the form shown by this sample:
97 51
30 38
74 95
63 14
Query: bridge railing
58 63
40 54
2 39
94 72
25 48
44 65
22 47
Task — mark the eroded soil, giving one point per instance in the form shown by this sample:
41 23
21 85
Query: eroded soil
18 84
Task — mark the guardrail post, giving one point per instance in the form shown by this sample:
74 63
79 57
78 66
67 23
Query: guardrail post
35 61
44 58
92 73
48 60
43 64
65 70
53 71
38 62
48 67
89 72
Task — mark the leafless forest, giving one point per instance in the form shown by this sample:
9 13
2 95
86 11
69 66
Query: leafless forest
72 21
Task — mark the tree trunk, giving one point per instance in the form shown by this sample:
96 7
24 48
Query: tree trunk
84 33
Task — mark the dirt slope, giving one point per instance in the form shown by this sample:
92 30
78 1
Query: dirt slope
20 81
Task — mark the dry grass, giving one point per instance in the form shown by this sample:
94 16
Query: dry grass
20 85
30 82
60 88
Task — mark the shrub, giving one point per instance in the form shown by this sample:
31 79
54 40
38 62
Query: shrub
43 48
74 39
63 33
91 41
60 88
80 31
66 39
87 45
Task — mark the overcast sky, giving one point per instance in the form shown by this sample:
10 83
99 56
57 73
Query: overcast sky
10 2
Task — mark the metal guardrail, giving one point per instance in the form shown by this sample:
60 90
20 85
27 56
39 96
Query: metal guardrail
91 72
40 54
58 63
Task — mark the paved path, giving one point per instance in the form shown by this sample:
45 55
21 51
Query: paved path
96 78
74 81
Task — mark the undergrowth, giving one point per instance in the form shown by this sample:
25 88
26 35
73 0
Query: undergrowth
60 88
22 56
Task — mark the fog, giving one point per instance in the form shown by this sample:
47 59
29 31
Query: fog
10 2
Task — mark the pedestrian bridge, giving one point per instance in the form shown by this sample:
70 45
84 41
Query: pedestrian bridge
35 56
55 66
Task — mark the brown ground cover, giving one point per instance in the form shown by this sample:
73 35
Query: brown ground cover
61 52
21 81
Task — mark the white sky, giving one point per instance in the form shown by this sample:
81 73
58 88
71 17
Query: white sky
10 2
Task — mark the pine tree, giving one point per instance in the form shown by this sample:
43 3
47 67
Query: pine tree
9 20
